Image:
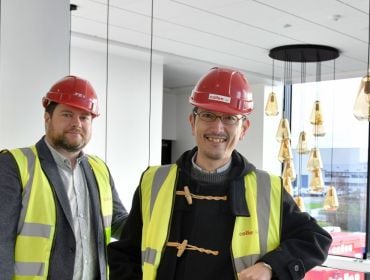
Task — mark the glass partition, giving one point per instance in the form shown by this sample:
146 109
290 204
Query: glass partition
344 152
326 273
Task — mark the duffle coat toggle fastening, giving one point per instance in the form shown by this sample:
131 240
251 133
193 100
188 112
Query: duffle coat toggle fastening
181 247
189 196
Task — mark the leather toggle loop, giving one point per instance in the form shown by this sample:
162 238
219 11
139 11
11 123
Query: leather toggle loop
189 196
181 247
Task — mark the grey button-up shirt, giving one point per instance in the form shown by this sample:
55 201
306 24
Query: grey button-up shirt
77 191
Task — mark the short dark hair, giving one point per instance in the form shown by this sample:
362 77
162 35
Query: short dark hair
51 107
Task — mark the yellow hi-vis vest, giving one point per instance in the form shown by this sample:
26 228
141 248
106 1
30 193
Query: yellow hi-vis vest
253 236
36 226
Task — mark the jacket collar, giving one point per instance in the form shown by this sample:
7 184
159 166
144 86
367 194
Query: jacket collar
240 167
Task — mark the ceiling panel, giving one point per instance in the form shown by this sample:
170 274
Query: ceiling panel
191 35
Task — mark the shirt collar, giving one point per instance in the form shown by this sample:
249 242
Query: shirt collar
62 160
218 170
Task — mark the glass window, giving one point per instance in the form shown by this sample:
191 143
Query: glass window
325 273
343 151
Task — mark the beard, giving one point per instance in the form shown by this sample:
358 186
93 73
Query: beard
62 141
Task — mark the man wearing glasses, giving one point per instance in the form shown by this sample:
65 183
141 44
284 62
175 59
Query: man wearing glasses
213 215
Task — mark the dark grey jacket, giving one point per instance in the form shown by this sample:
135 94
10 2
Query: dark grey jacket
210 225
64 246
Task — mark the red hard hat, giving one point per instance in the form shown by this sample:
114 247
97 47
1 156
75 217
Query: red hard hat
223 90
73 91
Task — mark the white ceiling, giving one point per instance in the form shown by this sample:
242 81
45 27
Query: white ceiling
190 36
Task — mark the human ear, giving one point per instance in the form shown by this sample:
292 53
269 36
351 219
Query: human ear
192 123
245 126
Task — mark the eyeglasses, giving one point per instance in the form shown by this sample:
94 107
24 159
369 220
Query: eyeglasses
225 119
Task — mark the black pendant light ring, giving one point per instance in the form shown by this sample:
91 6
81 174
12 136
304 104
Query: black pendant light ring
304 53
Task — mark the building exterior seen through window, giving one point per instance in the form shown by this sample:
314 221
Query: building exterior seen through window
344 152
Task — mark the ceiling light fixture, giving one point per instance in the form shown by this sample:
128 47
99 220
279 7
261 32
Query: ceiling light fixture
272 108
361 109
302 53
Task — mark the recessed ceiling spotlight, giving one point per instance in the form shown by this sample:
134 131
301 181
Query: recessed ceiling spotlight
336 17
73 7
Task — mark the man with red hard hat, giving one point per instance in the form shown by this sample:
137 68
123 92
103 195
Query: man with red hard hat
212 214
58 205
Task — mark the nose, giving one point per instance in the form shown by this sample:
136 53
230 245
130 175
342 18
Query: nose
218 124
76 122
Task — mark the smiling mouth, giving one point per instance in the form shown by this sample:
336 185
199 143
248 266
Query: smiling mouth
75 131
216 139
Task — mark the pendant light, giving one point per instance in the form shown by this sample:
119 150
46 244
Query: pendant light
272 108
299 53
299 199
361 109
285 151
302 146
289 170
287 184
317 182
283 131
317 120
331 202
314 161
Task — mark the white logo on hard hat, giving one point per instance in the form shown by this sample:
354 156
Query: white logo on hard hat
218 97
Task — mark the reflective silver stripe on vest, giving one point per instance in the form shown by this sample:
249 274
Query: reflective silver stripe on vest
29 269
33 229
158 180
31 158
107 220
263 213
264 202
148 255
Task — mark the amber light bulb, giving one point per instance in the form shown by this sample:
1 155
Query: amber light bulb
289 170
271 108
283 131
302 146
287 183
285 151
331 202
314 160
317 120
361 109
317 182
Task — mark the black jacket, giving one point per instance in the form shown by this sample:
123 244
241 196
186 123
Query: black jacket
209 225
63 254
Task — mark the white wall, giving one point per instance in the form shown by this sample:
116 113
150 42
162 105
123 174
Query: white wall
169 131
184 140
121 132
33 55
